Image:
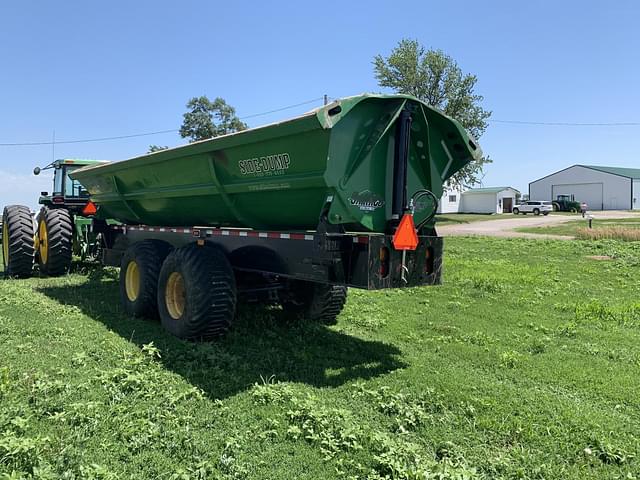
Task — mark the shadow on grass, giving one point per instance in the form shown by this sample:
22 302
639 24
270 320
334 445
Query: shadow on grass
262 343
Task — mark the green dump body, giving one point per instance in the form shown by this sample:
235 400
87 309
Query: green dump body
281 176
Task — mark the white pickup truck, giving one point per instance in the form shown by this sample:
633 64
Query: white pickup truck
534 207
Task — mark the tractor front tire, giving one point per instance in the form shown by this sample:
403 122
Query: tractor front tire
139 271
197 293
17 241
55 241
319 302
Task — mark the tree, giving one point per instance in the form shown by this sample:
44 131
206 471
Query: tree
205 119
156 148
436 79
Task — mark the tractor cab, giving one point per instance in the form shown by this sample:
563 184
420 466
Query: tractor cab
67 193
565 198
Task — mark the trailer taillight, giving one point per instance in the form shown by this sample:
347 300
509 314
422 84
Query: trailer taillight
384 262
89 209
57 200
428 260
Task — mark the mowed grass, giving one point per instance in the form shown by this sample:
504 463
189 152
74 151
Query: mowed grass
576 227
524 364
457 218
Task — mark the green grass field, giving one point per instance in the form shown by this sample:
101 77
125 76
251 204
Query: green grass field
525 364
571 228
455 218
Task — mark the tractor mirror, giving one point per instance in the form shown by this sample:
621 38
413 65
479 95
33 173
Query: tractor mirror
36 171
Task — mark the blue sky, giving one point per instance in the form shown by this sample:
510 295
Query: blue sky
90 69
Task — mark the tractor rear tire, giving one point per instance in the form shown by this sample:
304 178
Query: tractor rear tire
17 241
197 293
55 241
139 271
319 302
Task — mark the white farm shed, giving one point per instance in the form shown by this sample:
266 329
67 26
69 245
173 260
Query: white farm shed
450 200
601 188
489 200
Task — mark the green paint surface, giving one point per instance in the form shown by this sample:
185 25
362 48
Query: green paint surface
280 176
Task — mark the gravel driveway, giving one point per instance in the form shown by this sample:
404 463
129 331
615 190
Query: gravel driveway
505 227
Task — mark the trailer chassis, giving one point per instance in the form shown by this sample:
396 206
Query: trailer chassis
193 277
359 260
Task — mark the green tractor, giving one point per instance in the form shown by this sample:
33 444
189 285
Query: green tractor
566 203
60 229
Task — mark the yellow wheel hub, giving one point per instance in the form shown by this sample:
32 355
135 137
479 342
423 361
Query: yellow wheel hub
5 242
132 281
43 243
174 295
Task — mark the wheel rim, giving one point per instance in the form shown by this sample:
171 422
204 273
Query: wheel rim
5 243
174 295
43 242
132 281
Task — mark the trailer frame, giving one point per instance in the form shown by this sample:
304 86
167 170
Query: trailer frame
359 260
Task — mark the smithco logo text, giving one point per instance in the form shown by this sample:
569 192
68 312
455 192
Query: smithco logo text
366 201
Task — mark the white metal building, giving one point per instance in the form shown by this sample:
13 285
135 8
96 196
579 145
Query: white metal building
478 200
450 201
489 200
602 188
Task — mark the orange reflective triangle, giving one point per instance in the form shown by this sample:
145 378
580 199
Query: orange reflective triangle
89 208
406 237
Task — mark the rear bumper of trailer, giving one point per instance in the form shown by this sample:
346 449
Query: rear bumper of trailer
359 260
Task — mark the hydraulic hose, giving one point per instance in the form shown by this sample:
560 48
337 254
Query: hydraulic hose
414 199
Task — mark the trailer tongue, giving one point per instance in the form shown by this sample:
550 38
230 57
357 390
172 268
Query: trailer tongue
291 213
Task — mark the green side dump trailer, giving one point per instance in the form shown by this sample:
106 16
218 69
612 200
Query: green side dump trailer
279 176
291 213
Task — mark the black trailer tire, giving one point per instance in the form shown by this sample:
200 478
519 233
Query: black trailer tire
55 241
197 293
319 302
139 272
17 241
